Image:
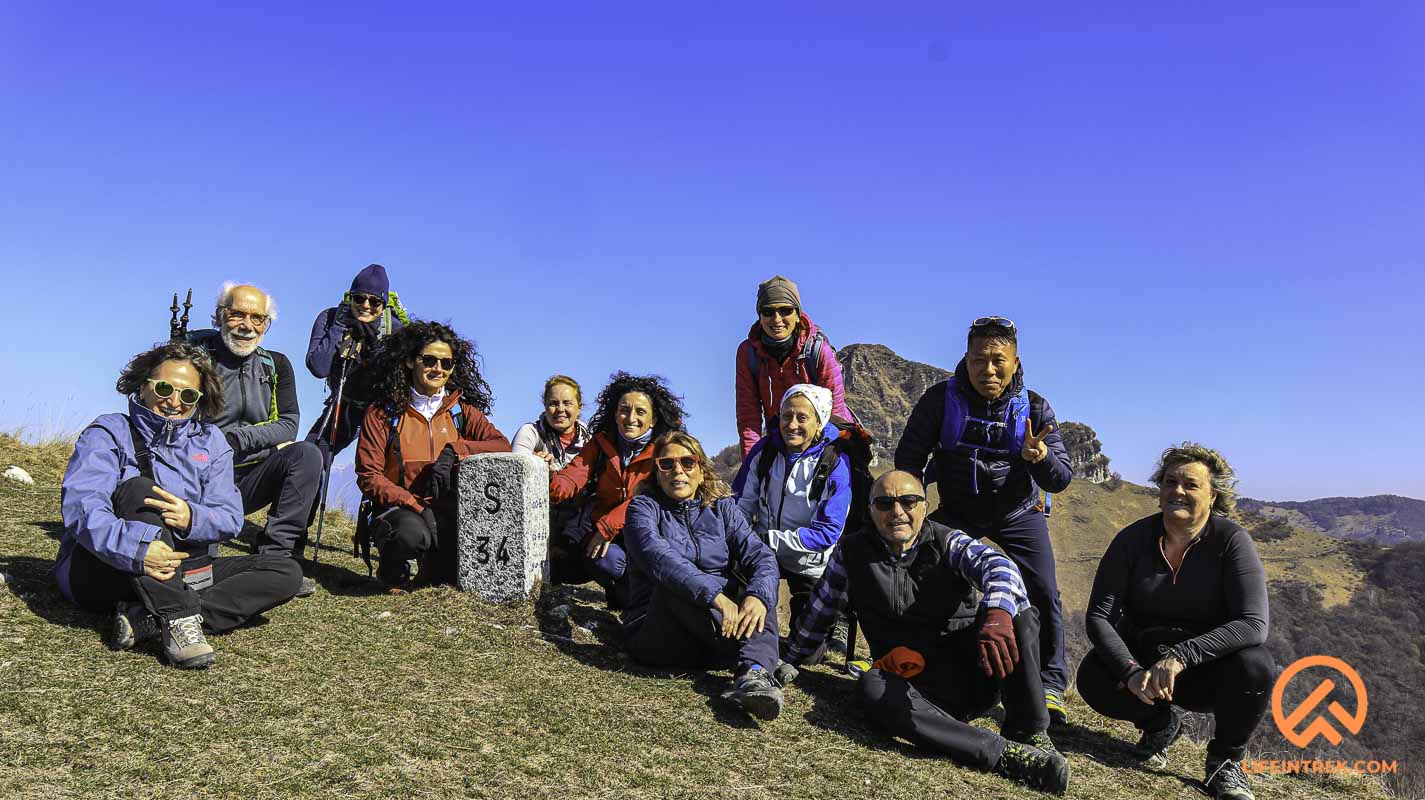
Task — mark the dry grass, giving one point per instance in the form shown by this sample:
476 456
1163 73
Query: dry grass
349 694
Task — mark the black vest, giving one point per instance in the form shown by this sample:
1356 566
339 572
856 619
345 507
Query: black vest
914 601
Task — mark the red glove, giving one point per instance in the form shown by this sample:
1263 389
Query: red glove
901 661
999 652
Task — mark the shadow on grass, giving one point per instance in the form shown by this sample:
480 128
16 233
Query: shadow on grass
50 528
33 585
836 708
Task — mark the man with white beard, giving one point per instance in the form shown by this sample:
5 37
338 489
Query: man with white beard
259 420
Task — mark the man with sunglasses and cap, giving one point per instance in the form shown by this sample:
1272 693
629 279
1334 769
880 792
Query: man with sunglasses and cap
990 445
259 420
344 338
951 630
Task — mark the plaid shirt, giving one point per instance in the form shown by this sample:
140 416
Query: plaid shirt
996 576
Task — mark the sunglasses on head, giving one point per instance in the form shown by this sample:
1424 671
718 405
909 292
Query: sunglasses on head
257 320
164 390
368 300
777 311
999 322
886 502
429 361
666 463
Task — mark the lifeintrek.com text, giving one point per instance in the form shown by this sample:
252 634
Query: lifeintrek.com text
1320 767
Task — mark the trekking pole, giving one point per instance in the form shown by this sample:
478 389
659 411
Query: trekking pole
178 328
349 350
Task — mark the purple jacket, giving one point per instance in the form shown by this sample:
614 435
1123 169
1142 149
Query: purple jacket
191 459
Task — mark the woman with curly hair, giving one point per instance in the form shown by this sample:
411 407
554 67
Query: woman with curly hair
429 412
632 411
702 585
146 498
1178 619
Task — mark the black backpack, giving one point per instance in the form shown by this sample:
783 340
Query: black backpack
856 442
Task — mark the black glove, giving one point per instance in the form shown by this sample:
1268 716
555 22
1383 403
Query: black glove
428 517
442 474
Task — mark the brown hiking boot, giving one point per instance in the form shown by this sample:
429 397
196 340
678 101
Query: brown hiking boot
184 644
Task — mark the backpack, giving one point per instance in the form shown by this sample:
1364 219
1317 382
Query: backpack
857 443
366 513
952 427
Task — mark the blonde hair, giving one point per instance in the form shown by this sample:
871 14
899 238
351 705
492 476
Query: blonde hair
713 487
1223 477
555 380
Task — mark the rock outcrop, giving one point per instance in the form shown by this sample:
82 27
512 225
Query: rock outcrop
882 388
1085 452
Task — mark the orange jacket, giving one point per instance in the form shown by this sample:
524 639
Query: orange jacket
377 472
617 486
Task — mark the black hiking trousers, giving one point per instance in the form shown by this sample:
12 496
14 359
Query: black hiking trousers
241 587
931 709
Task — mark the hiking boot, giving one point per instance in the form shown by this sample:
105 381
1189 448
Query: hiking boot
1035 768
307 588
1152 747
840 635
133 625
1040 740
1054 704
184 645
755 692
1226 780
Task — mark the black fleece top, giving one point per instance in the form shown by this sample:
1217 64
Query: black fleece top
1217 601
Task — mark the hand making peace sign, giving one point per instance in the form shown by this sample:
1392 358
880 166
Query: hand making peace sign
1034 449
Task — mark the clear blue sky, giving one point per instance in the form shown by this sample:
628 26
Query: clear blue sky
1209 222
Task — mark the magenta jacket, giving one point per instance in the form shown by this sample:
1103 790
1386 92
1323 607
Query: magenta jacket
759 393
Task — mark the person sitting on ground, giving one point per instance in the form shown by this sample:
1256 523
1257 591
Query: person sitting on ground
259 420
702 587
943 653
1178 619
632 411
145 500
994 445
777 490
783 348
428 413
350 332
557 436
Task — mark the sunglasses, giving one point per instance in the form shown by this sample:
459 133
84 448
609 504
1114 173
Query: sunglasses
257 320
998 322
667 463
164 390
429 361
368 300
777 311
887 502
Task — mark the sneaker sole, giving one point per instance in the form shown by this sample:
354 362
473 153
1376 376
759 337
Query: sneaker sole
196 662
121 635
761 706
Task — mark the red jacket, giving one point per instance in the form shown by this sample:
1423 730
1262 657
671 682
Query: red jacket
617 486
377 472
759 395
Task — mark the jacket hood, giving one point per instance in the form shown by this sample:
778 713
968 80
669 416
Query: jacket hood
962 383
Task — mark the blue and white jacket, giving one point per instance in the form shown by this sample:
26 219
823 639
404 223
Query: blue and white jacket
780 511
191 459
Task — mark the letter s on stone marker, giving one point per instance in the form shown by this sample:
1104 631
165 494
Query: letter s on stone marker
494 497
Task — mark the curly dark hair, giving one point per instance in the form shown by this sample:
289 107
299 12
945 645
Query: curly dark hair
142 366
668 413
390 374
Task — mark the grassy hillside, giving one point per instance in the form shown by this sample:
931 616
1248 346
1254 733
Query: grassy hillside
350 694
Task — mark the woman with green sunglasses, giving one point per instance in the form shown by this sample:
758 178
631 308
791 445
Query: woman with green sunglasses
147 497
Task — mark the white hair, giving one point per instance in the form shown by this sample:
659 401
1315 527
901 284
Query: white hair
225 299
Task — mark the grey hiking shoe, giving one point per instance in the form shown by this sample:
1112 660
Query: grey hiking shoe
133 625
1226 780
1038 769
308 587
184 645
1152 747
839 636
755 692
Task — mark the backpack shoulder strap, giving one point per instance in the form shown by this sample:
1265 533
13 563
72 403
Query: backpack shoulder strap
268 365
953 423
754 363
141 452
811 354
765 458
825 465
457 414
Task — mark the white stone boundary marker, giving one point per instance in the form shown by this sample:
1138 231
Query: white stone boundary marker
503 508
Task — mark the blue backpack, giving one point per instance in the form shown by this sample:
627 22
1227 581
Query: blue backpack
985 434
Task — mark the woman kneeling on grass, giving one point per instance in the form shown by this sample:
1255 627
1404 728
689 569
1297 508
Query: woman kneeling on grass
429 412
702 586
146 498
1178 619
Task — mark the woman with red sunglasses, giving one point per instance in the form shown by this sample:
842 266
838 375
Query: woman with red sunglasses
428 412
